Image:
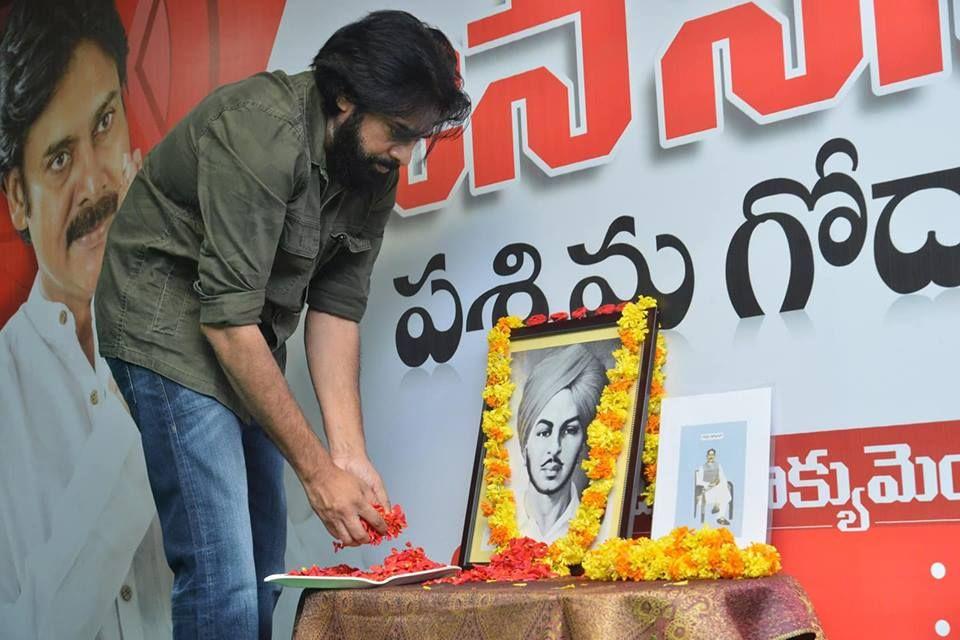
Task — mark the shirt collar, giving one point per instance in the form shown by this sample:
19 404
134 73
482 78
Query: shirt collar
53 320
55 324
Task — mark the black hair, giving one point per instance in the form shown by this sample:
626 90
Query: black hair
37 45
713 451
392 64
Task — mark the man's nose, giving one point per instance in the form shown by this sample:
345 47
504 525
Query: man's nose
92 175
555 444
403 153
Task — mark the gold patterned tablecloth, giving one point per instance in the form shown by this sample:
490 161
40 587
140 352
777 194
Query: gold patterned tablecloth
773 608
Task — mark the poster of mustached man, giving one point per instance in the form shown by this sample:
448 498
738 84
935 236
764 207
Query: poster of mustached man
80 547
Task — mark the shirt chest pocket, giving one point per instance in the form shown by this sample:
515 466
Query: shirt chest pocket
300 236
297 253
353 243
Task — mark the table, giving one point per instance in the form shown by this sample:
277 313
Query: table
774 608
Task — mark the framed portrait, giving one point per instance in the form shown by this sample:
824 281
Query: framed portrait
713 464
560 370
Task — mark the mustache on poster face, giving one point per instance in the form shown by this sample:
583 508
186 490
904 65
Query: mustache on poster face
91 216
553 461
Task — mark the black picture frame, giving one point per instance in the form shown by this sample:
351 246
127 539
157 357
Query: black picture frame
635 515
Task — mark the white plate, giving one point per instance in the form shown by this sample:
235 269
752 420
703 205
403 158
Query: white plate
350 582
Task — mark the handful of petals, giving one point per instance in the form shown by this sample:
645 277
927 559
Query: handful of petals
396 521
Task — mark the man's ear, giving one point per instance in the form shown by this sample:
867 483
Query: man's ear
346 110
345 106
14 189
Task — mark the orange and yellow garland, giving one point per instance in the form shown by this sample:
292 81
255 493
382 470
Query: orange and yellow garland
683 554
605 438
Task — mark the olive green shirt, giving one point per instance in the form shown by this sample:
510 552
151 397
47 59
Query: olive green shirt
233 221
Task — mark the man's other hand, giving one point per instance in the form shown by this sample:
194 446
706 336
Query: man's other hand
340 500
361 467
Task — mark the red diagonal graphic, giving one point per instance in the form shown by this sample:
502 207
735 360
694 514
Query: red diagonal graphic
179 52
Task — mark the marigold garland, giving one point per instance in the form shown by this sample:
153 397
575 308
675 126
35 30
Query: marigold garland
499 505
604 434
683 554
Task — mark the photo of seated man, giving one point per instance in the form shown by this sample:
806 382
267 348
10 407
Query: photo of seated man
81 555
559 400
712 491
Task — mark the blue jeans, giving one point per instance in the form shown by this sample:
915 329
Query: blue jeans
218 485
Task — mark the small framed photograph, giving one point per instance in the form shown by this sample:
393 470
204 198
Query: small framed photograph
713 464
560 370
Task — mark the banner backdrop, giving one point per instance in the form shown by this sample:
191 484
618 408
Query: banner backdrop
626 147
782 176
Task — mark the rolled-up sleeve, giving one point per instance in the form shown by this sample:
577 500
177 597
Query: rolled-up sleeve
342 286
248 163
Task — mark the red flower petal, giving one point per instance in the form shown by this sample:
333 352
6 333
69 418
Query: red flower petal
560 316
580 312
606 309
535 320
521 561
410 560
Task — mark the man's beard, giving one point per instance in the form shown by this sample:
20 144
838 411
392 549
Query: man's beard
348 164
91 216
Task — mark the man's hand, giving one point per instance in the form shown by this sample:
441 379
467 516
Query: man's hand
340 500
361 467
